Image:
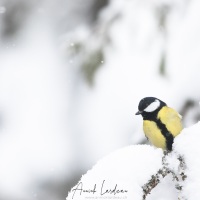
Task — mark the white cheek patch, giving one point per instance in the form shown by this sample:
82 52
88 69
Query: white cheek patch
153 106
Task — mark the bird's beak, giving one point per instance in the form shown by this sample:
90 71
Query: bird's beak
138 113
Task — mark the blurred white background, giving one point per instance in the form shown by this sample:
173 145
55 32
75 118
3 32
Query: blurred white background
71 76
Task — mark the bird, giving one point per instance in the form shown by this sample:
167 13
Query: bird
161 124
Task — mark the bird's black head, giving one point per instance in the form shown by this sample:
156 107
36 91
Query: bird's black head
149 107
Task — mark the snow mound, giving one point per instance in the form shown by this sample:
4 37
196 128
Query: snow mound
123 173
187 145
122 168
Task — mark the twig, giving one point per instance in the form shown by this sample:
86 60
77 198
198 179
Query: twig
178 177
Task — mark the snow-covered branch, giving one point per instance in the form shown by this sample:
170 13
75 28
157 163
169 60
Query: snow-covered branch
144 172
177 176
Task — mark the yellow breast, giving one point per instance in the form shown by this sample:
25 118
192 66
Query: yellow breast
171 119
154 134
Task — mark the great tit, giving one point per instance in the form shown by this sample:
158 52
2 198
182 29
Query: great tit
160 122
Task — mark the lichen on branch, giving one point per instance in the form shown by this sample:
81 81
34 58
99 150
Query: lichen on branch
178 176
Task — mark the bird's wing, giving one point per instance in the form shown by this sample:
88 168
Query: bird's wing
171 119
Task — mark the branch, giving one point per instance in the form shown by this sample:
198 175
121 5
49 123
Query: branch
178 176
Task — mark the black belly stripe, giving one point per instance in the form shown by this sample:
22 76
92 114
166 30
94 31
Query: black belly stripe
169 137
